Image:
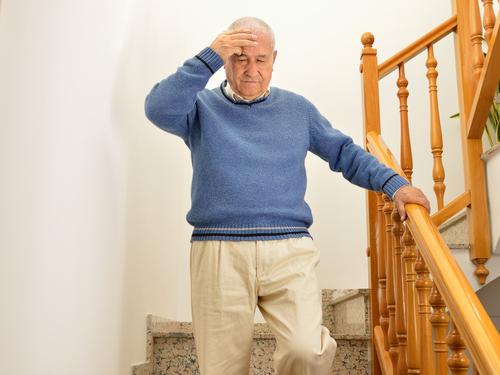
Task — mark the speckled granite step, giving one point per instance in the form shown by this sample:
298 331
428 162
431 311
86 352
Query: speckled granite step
455 232
171 347
456 235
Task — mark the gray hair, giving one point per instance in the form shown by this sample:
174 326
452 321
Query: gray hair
254 23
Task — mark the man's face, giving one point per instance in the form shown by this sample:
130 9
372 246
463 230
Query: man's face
249 74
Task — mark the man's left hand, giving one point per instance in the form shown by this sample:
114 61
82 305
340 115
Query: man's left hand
410 194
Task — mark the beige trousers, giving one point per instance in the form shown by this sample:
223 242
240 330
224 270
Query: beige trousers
229 279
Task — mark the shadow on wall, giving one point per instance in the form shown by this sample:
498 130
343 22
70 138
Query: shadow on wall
158 188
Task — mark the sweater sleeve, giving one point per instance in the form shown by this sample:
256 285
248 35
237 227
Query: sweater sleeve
171 103
357 166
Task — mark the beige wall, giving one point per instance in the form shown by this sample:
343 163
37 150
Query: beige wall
93 197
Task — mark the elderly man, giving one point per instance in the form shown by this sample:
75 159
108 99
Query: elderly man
250 244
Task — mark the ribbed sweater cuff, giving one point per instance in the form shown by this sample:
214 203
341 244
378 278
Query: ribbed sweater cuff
211 59
393 184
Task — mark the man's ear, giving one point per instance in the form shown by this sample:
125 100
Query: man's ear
274 56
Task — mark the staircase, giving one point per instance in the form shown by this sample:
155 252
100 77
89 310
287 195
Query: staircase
171 349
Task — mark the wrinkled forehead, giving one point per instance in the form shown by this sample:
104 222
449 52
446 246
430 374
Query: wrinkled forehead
264 44
264 36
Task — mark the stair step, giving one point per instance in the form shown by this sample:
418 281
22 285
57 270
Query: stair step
171 348
174 353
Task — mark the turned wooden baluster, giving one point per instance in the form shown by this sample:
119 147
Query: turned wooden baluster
406 163
476 40
439 320
424 286
382 278
397 233
406 156
389 269
436 134
409 257
488 20
409 254
457 361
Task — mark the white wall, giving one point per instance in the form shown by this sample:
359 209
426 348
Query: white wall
93 197
63 166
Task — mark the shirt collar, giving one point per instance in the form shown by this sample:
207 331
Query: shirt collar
237 98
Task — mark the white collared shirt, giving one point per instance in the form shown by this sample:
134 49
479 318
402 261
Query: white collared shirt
230 92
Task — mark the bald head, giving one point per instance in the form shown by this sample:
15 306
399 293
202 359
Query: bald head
255 24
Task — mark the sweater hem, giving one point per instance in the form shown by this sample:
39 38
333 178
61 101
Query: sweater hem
248 232
222 237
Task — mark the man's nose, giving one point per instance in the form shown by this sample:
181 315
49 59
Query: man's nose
251 69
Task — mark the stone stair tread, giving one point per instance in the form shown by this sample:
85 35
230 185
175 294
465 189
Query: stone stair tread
261 331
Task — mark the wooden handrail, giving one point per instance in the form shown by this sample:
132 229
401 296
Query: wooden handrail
485 88
378 148
416 47
451 209
470 317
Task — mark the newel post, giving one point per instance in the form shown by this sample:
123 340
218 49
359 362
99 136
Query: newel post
468 61
371 122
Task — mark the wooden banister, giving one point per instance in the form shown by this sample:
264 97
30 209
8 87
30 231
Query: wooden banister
451 209
469 316
416 47
411 310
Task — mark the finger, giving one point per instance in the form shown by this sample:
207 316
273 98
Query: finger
240 30
401 211
234 51
249 36
423 201
243 42
245 35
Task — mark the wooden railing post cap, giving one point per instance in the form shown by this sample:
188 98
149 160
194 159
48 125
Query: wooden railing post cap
367 39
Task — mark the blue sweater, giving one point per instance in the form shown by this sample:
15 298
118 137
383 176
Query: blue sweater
249 177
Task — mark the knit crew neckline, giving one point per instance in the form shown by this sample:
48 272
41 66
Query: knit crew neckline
242 102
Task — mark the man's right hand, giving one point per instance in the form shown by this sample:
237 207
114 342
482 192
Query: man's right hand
232 42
